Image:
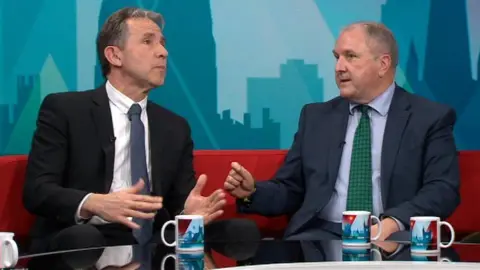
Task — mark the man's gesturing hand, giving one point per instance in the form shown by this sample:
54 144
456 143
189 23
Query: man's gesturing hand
239 181
119 206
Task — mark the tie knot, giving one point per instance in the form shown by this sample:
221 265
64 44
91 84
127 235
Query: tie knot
135 110
363 108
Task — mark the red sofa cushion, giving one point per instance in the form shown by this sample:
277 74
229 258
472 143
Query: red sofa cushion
466 218
13 216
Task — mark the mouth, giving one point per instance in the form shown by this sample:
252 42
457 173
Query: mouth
344 80
160 67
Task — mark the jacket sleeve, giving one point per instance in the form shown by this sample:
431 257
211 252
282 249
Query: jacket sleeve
43 193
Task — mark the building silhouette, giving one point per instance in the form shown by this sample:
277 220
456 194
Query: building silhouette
244 136
447 58
447 71
297 85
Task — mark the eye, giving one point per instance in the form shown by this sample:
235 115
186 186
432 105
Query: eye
350 55
147 41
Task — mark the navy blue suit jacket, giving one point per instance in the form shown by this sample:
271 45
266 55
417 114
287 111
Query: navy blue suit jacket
419 166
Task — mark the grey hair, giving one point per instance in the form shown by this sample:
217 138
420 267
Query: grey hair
384 40
114 31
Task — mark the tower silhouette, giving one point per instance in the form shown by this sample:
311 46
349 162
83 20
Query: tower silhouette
447 60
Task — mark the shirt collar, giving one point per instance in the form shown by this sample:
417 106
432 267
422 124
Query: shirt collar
121 101
381 104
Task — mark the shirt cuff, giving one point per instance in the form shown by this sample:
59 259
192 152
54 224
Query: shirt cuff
78 218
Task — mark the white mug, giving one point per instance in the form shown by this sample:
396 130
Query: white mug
8 250
187 260
189 232
425 234
356 228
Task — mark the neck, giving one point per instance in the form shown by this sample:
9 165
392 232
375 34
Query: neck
129 87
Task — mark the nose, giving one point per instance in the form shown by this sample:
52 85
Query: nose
340 65
161 51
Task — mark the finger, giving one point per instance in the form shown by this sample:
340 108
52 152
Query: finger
234 182
229 187
201 181
145 198
237 177
216 196
127 222
144 206
132 266
214 216
218 205
136 188
240 170
138 214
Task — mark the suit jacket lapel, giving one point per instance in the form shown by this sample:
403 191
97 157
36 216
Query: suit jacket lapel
397 120
102 118
338 122
158 138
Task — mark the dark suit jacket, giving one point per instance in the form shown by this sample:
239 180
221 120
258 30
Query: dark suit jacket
72 154
419 166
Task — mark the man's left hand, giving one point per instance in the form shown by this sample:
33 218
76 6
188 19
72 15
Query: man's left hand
389 226
209 207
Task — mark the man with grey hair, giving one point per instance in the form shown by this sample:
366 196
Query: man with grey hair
109 167
375 148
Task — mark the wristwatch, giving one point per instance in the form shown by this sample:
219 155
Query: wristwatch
247 201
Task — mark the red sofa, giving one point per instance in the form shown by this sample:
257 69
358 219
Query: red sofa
216 165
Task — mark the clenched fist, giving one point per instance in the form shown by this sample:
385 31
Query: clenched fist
239 182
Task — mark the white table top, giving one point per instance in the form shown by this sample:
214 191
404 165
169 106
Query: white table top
363 265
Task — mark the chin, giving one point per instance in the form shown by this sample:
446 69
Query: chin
347 92
157 82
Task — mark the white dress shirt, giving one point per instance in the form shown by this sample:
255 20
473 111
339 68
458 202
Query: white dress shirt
119 106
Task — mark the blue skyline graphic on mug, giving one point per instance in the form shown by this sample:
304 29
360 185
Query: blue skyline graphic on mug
356 229
424 235
190 233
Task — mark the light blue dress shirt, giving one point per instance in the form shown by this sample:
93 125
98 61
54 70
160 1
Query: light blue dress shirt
378 118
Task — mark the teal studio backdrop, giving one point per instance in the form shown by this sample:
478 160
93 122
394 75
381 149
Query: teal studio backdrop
238 70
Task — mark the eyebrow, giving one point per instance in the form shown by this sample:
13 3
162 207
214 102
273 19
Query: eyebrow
344 52
152 35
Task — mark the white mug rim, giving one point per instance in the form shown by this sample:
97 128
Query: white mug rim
425 218
7 233
189 217
357 213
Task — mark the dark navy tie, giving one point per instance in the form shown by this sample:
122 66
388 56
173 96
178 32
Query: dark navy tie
138 163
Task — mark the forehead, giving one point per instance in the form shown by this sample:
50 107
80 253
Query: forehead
141 26
352 39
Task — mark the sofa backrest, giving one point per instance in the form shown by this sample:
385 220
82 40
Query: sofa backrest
216 164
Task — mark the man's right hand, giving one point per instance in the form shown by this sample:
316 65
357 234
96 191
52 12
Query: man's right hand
118 206
239 182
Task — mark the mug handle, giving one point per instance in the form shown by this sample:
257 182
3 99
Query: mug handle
162 234
165 259
379 227
377 254
14 250
452 238
445 259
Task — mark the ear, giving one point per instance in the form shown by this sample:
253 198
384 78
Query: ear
113 55
385 61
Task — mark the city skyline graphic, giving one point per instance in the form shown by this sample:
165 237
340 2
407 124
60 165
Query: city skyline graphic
241 70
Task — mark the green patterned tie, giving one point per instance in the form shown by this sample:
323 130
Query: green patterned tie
360 182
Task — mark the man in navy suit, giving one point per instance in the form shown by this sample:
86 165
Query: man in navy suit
376 147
